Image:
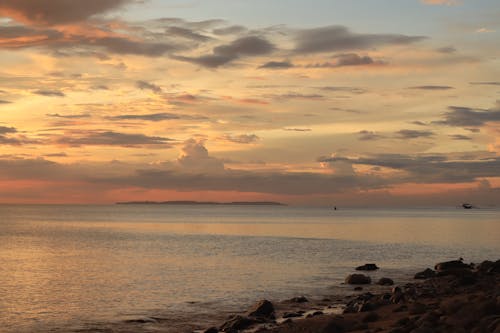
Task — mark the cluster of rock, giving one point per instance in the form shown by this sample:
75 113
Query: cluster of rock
358 279
452 297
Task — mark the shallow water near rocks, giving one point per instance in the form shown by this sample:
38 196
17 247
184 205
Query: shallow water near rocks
180 268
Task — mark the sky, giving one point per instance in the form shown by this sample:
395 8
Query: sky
320 102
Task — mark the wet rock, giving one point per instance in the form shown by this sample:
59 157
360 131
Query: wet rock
314 314
291 315
262 309
299 299
489 267
451 265
371 317
237 323
358 279
211 330
397 295
367 267
417 308
385 282
425 274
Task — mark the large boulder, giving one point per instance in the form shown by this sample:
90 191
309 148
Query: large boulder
367 267
385 282
358 279
262 309
451 265
236 324
425 274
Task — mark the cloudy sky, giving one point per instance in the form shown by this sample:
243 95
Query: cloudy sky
320 102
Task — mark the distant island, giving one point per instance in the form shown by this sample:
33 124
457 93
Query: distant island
234 203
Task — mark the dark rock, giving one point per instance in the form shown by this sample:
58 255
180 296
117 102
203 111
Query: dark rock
237 323
314 314
397 295
401 308
385 282
358 279
425 274
262 309
367 267
358 288
211 330
451 265
417 308
291 315
299 299
402 322
371 317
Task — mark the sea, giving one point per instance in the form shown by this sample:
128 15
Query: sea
182 268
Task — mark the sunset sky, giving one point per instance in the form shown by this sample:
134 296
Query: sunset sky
320 102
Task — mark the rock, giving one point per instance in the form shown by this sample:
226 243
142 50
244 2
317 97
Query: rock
425 274
397 295
358 279
489 267
237 323
385 282
299 299
358 288
371 317
211 330
417 308
314 314
451 265
291 315
367 267
262 309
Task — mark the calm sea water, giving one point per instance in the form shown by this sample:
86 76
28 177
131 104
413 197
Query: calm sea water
98 268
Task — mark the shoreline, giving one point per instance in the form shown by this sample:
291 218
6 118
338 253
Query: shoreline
452 297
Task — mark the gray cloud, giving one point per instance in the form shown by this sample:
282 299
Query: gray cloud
296 95
49 93
277 65
432 87
339 38
352 90
69 116
489 83
48 12
413 134
446 49
348 59
6 130
224 54
437 168
464 116
369 136
231 30
242 138
149 86
296 129
148 117
56 155
126 46
187 33
460 137
419 123
110 138
4 102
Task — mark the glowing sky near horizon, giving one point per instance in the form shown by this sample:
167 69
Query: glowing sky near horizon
307 102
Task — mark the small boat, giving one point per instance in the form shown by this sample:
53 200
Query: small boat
467 206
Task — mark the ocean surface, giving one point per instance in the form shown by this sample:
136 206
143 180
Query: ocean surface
151 268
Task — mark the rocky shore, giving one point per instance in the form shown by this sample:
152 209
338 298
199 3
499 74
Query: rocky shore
452 297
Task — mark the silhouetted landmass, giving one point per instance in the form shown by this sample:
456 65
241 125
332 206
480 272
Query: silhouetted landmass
234 203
